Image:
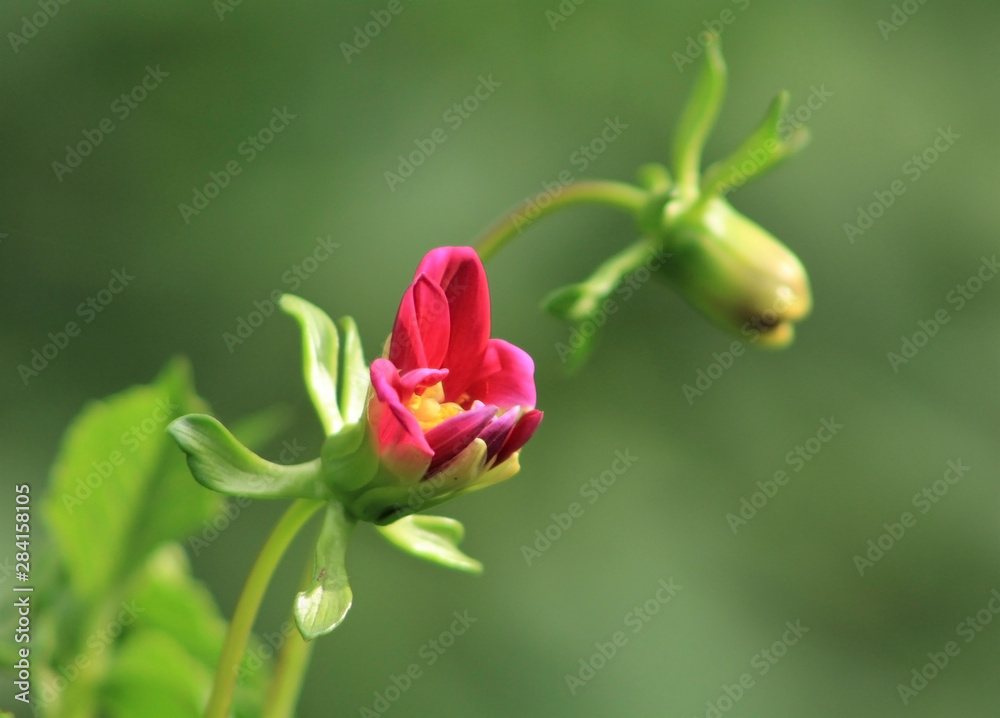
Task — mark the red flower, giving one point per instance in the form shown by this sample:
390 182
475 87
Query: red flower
450 403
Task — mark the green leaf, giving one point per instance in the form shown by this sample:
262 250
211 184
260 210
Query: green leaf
321 607
172 601
434 538
119 488
221 463
154 677
320 349
168 601
354 376
758 153
699 116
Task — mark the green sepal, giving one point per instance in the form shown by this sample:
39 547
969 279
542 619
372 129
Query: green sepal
584 304
698 117
324 604
348 462
433 538
577 302
760 151
385 500
355 379
654 177
320 355
118 488
218 461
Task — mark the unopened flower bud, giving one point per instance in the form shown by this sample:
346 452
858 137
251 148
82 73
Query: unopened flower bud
736 273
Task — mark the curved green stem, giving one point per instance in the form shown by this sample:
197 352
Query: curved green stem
249 602
614 194
286 684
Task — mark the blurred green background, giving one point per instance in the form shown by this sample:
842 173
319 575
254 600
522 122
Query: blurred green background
665 516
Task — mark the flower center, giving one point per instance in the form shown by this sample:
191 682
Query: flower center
430 408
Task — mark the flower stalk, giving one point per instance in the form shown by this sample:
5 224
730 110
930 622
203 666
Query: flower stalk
607 193
249 603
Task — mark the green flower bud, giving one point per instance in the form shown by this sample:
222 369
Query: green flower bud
736 273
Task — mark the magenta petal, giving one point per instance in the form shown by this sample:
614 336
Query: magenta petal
460 274
448 438
401 442
419 378
422 328
406 347
495 434
506 376
520 434
434 321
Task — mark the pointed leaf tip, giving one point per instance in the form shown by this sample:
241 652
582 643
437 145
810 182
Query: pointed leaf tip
320 356
218 461
433 538
325 603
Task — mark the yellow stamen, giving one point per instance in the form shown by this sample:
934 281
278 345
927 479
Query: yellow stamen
430 408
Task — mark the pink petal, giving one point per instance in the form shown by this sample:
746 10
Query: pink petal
422 329
506 376
460 274
519 435
401 442
448 438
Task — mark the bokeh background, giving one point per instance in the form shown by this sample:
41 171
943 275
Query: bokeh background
665 517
